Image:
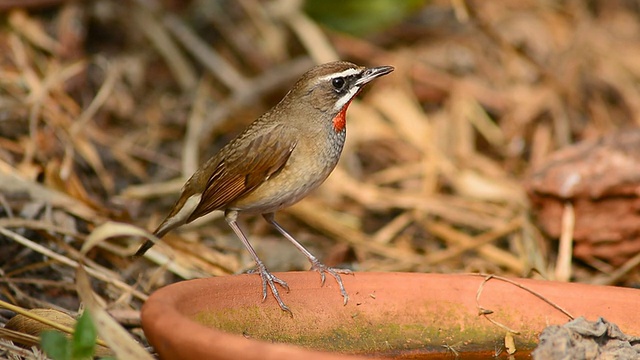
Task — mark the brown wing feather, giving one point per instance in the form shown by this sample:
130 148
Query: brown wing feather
246 167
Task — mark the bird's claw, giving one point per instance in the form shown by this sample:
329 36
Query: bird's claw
269 280
322 269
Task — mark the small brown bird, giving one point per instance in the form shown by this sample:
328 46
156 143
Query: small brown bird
281 157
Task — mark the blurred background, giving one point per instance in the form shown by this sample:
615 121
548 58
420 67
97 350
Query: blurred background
504 142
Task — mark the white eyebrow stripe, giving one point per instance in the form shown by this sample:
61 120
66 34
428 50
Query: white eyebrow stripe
343 73
346 98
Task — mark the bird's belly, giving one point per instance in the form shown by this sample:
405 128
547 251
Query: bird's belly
284 189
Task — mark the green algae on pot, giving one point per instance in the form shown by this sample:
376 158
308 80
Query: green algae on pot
388 313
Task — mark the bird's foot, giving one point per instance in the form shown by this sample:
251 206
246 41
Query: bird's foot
270 280
322 269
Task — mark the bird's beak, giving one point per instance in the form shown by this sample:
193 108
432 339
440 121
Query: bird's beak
372 73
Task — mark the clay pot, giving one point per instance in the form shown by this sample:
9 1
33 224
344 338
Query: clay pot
388 314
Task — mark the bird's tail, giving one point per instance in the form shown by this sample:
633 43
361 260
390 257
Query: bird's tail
178 216
164 228
143 249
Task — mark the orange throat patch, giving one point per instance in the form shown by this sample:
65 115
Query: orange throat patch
340 121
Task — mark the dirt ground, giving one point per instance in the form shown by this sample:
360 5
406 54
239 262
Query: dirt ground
504 142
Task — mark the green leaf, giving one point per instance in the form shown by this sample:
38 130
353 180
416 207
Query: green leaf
361 17
55 345
84 338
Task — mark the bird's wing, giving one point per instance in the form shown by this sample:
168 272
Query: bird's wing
251 162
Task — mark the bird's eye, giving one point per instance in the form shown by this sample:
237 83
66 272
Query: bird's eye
338 83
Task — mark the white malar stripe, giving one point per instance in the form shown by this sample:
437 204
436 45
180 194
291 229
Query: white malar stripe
343 73
184 213
346 98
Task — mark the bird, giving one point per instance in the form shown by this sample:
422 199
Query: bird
276 161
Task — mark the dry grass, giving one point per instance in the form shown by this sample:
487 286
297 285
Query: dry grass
106 107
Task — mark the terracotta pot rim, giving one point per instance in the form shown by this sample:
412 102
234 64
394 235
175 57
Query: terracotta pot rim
168 309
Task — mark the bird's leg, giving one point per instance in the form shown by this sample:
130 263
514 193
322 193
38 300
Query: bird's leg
267 278
315 263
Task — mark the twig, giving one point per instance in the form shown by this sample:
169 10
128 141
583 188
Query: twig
565 249
53 324
183 72
487 277
618 273
217 65
72 263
